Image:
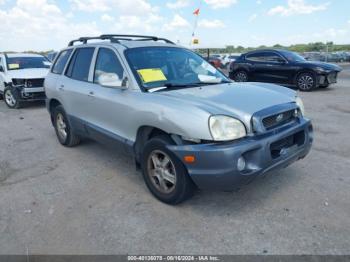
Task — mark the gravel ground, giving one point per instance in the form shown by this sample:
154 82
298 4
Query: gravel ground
90 199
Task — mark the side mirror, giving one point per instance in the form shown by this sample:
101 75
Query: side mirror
113 81
1 69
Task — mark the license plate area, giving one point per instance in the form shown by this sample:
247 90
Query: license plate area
287 145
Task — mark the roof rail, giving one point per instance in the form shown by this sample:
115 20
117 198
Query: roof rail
115 38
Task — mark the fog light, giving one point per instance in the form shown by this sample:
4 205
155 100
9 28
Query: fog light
241 163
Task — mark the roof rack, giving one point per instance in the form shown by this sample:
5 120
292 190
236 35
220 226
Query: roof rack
116 38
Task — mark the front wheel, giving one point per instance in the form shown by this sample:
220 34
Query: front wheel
11 98
306 82
164 174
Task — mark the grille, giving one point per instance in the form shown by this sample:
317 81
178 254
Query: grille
278 119
38 82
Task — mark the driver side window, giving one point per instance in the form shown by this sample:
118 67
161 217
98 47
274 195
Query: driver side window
108 67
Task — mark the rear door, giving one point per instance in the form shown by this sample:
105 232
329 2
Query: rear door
76 87
52 83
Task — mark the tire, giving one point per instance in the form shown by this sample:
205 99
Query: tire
240 76
64 131
11 98
306 82
164 174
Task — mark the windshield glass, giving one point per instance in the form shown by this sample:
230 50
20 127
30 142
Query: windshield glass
172 68
15 63
293 57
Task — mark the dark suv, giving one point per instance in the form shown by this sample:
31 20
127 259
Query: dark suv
283 67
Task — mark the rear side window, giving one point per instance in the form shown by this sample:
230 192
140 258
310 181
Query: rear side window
61 61
256 57
79 65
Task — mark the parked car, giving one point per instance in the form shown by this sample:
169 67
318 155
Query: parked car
183 121
51 56
283 67
22 78
215 61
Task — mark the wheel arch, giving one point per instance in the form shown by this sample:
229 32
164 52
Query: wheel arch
53 103
144 134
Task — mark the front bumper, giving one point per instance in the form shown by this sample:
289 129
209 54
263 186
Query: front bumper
30 93
216 164
327 78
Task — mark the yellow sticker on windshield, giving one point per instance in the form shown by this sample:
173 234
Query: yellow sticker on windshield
151 75
13 66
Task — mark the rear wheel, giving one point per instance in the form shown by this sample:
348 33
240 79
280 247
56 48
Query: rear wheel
11 98
164 174
64 131
306 82
240 76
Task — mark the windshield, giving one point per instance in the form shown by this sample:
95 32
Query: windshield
293 57
173 68
16 63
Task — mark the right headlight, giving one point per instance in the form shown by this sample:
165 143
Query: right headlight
300 104
225 128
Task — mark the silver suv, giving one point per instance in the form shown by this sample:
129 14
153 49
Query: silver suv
185 123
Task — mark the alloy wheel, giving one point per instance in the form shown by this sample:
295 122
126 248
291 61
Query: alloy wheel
9 98
305 82
161 171
61 126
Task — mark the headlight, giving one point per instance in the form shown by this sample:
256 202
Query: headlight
300 104
321 70
18 82
224 128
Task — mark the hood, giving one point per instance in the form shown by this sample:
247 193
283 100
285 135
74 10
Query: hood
31 73
240 100
325 66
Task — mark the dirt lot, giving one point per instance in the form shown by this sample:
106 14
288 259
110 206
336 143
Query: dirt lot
90 199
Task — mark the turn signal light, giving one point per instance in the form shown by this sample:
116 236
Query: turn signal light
189 159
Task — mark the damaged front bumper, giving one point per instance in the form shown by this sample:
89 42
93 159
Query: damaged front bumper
29 93
216 166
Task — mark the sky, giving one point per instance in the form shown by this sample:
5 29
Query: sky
50 24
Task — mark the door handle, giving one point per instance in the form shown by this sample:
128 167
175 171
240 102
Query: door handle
91 94
61 88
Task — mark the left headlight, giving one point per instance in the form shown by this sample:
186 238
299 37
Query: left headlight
300 104
224 128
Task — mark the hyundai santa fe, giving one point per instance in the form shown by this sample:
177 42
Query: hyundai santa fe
185 123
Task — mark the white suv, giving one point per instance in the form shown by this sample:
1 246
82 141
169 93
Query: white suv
22 78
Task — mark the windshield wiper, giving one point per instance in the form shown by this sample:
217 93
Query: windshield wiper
169 85
179 85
